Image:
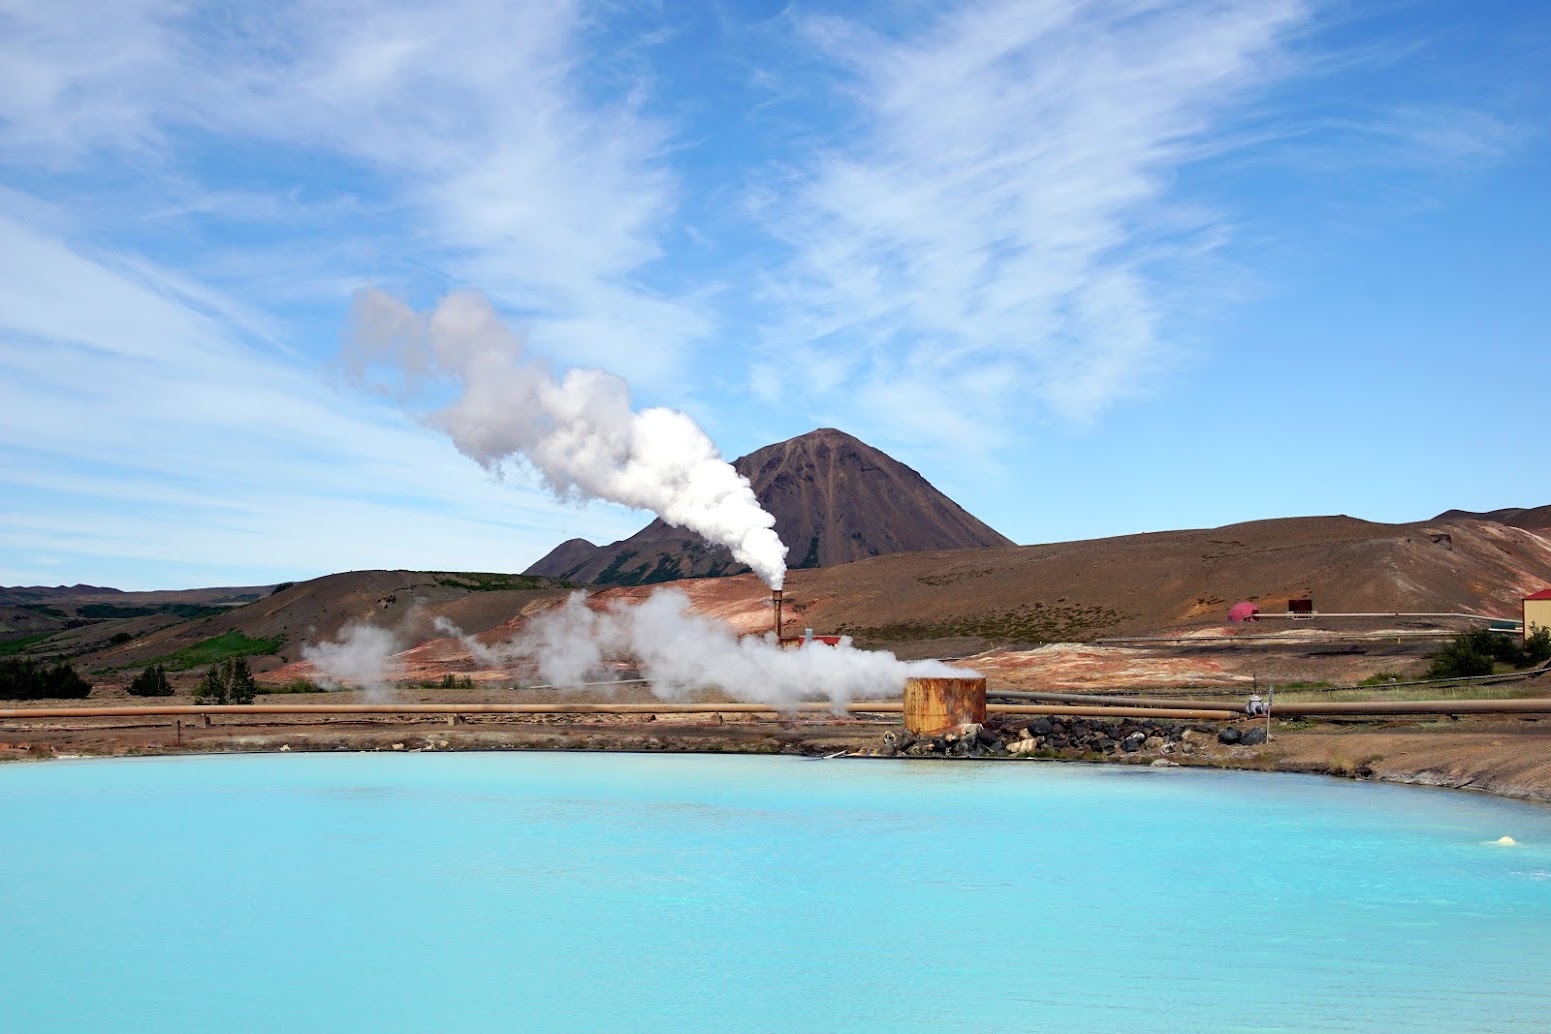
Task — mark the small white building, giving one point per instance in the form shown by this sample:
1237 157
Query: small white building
1537 612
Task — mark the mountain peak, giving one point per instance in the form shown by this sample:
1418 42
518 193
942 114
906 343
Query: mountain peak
835 499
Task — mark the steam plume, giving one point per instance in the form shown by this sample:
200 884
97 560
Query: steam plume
362 656
578 431
681 653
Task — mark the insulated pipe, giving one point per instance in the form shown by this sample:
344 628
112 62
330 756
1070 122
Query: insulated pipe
1522 705
1096 700
856 707
1387 614
1155 709
143 710
1209 713
1323 637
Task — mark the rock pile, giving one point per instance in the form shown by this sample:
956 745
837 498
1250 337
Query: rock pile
1068 737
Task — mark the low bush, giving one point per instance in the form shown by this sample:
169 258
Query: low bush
1537 648
229 682
152 682
22 679
294 686
1477 651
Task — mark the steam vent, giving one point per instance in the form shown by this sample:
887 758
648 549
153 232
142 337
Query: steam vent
933 706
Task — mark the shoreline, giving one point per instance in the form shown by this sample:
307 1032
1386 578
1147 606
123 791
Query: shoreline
1509 758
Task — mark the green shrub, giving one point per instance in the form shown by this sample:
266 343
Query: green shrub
1537 646
297 685
1476 651
229 682
485 581
152 682
1459 659
28 680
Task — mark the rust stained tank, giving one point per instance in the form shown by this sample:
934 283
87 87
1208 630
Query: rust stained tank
936 705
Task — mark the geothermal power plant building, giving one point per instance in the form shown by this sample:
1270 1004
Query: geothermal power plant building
1537 611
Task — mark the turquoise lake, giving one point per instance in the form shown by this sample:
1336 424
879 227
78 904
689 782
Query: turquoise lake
534 891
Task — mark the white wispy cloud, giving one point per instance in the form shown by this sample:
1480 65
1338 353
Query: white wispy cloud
466 124
1003 197
137 425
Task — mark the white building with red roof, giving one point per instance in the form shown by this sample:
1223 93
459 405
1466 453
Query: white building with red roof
1537 611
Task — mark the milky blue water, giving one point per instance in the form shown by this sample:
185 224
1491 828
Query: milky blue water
496 892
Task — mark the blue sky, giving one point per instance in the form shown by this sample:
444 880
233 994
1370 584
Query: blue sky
1092 268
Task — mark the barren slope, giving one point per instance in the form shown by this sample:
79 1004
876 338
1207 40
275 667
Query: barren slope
834 498
1536 519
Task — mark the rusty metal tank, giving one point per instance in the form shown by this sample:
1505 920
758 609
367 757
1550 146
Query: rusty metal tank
938 704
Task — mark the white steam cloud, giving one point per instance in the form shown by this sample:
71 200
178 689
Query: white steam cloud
679 653
682 653
578 431
362 656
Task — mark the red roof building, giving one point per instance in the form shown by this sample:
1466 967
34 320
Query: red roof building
1537 611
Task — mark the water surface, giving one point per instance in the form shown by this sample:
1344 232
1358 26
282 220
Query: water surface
485 892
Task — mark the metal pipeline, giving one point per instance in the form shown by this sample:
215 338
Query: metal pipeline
854 707
1131 708
1522 705
1097 700
169 710
1209 713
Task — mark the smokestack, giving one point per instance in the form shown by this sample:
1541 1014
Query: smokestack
775 598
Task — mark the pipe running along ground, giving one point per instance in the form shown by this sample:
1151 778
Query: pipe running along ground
855 707
1117 708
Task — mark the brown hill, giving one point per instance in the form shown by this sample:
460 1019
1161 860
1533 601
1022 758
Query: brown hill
275 628
940 602
921 603
1178 585
1143 582
835 499
1536 519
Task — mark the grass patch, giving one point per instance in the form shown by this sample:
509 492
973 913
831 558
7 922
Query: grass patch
485 581
11 646
218 648
1507 691
1031 623
293 686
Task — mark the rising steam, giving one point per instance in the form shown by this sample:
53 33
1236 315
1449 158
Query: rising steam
363 655
679 653
578 431
682 653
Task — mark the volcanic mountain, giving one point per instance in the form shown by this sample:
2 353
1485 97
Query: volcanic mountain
835 499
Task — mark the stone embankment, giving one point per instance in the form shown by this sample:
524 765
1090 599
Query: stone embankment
1091 739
